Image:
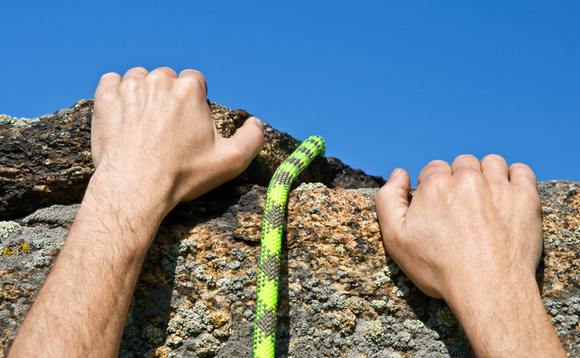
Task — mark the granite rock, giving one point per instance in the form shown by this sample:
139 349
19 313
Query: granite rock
340 295
47 160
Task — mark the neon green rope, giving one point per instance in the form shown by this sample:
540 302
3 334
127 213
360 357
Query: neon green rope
272 228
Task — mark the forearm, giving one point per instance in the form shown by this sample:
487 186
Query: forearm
81 308
506 318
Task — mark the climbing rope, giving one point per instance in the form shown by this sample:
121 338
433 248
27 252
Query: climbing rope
271 243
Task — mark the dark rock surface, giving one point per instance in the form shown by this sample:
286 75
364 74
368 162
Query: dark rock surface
48 161
340 295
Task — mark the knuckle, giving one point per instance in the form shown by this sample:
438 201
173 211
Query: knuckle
131 83
492 158
436 179
465 158
469 174
437 163
522 167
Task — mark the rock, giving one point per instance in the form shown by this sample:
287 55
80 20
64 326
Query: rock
340 295
47 160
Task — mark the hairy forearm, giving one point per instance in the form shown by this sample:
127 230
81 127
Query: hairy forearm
81 308
506 319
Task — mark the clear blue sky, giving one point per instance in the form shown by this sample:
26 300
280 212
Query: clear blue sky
386 83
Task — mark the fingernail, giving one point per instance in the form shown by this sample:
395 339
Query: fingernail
395 173
260 124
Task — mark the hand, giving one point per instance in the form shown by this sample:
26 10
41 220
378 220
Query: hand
472 235
152 133
154 144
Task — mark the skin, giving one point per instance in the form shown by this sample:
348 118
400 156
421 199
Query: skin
154 144
471 235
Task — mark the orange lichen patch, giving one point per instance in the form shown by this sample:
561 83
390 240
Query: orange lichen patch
345 322
160 352
219 319
10 292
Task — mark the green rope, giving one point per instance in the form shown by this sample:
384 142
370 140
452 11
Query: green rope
272 228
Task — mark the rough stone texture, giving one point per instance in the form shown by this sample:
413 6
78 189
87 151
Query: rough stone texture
47 160
340 296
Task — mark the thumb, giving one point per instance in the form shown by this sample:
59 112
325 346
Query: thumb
392 203
238 150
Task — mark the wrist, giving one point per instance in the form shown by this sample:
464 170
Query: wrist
133 199
505 317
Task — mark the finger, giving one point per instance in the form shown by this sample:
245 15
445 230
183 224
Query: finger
521 174
494 168
137 73
108 81
392 204
436 166
166 70
466 161
196 75
238 150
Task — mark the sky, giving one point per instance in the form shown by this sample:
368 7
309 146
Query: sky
386 83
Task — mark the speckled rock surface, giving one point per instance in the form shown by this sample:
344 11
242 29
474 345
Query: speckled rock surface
340 296
47 160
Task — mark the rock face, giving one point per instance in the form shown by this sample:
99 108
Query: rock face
47 160
340 295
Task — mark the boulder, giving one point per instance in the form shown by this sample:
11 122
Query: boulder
340 295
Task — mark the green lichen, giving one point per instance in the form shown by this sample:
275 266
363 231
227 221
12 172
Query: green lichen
153 335
413 325
381 278
337 300
187 246
207 346
401 290
575 239
219 264
391 269
374 332
379 305
239 253
15 121
310 186
355 304
7 227
445 317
